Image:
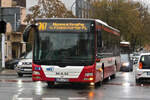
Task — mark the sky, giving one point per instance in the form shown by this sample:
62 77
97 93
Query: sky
146 2
69 3
30 3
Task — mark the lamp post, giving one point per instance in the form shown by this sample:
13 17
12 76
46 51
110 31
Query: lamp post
77 8
72 6
2 31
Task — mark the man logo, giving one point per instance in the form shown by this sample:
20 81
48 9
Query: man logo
62 73
50 69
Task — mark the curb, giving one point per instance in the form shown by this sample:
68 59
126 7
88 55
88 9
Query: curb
7 73
1 69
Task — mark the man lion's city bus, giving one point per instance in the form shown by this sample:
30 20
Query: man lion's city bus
73 50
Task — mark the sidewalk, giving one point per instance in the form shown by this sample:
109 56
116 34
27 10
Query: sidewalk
8 72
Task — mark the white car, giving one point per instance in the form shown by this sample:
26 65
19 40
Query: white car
135 58
142 68
24 66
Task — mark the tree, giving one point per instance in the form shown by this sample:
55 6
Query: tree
129 18
49 9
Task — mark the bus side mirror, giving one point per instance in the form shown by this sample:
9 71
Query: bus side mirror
26 33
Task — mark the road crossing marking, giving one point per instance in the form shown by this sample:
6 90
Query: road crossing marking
24 99
15 97
77 98
50 98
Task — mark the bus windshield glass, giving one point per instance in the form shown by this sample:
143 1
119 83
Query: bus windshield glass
64 47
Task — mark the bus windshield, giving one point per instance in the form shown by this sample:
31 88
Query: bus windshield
64 47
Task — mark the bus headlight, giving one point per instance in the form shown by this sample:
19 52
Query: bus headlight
88 74
36 73
90 79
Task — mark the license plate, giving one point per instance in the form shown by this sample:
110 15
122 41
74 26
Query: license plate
27 69
61 80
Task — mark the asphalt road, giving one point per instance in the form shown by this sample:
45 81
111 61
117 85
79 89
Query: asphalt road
123 87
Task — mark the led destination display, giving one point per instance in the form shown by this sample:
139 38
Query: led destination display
68 26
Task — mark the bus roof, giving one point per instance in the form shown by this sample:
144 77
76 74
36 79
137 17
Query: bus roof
79 19
70 19
105 24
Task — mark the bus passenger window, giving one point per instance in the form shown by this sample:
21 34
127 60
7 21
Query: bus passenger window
99 39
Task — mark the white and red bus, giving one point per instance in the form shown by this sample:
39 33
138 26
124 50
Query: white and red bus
73 50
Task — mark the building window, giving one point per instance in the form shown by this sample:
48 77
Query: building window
8 37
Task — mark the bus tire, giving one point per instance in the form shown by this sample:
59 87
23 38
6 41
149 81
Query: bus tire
138 81
113 76
98 84
50 84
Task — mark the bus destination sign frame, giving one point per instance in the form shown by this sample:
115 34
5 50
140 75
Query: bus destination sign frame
64 26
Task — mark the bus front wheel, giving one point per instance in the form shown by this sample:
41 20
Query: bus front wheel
113 76
50 84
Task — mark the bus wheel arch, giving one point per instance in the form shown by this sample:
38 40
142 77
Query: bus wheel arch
50 84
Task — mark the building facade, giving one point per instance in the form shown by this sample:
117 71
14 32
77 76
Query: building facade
21 3
13 12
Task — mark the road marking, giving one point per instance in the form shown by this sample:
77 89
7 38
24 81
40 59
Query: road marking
15 97
77 98
50 98
11 80
24 98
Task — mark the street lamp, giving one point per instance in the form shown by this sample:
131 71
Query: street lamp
73 4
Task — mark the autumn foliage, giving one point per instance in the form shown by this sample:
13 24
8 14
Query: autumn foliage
49 9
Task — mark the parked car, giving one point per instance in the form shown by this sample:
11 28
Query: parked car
126 63
131 56
135 58
11 64
24 66
142 68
